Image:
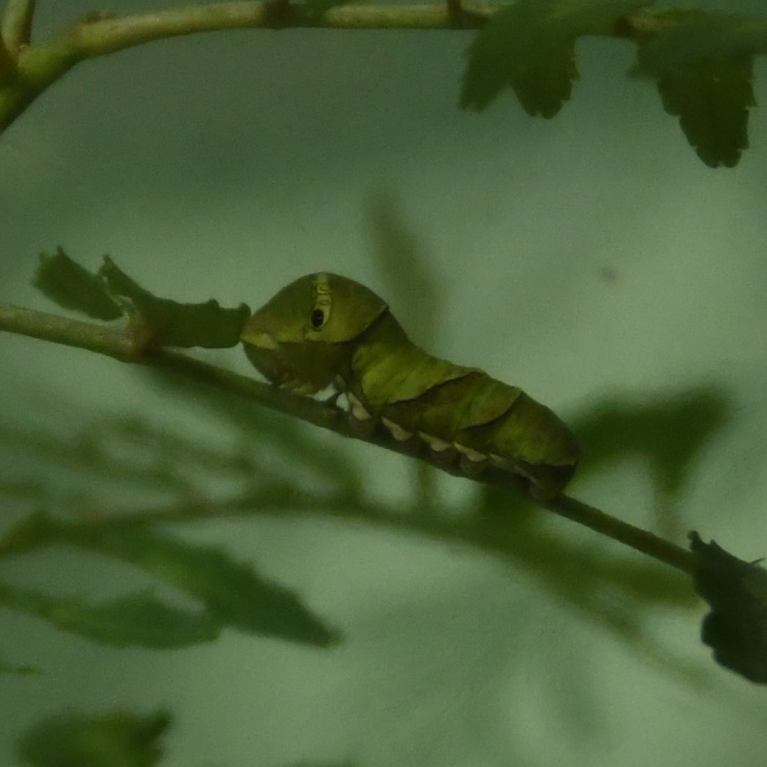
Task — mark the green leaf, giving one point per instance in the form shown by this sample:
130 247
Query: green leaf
704 71
530 47
172 324
139 619
232 592
736 591
668 431
72 286
119 739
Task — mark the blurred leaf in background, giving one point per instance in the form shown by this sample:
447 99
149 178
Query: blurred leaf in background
233 593
410 288
138 619
118 739
668 431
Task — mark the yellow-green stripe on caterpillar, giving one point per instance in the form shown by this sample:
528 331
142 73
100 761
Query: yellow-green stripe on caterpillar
324 329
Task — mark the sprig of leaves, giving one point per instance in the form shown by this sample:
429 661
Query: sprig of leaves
117 739
701 61
703 67
110 294
529 46
736 627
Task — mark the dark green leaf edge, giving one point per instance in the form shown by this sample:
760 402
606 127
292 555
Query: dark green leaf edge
72 286
736 626
110 293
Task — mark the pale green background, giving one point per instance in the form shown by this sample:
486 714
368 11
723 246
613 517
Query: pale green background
226 165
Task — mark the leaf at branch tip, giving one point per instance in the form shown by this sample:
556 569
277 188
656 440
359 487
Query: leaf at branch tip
138 620
72 286
172 324
736 591
530 47
117 739
704 72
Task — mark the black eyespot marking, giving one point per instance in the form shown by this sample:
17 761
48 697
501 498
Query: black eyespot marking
317 318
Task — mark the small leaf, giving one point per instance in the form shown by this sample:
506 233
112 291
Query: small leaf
530 46
119 739
736 591
704 70
139 619
72 286
174 324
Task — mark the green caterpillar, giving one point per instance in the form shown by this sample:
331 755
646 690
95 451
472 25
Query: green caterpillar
324 329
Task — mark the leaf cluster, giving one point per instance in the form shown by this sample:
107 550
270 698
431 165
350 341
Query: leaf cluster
701 62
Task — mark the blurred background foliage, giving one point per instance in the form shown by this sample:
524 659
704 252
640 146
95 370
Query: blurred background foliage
292 599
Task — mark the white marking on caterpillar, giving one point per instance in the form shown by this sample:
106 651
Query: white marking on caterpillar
472 455
263 341
357 408
436 444
322 299
400 434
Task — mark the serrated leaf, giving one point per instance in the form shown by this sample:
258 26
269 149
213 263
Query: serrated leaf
736 591
232 592
704 72
530 47
72 286
173 324
140 619
119 739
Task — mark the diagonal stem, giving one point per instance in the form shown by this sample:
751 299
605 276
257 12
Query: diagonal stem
119 345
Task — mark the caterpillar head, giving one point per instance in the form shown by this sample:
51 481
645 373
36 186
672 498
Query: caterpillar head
300 339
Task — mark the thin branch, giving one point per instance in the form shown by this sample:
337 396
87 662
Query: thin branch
17 25
120 346
41 64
